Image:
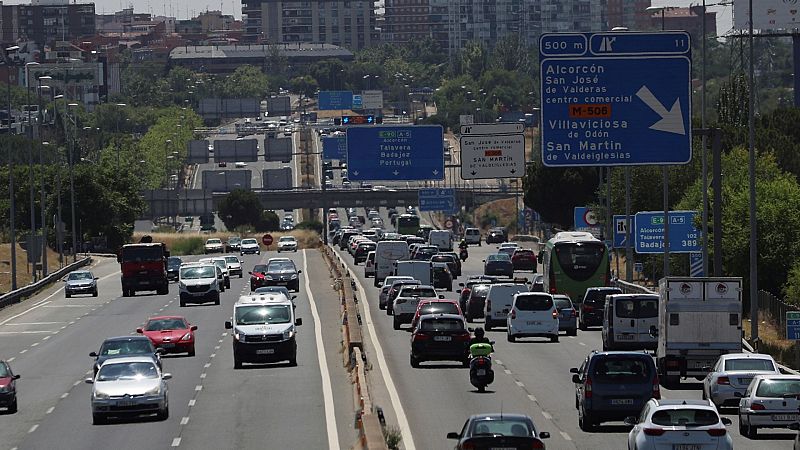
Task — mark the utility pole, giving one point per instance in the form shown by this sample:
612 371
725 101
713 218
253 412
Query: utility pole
11 190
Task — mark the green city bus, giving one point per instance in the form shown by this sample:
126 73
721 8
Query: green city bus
574 261
407 224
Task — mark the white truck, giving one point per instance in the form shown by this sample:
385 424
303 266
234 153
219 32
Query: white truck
442 239
420 270
699 319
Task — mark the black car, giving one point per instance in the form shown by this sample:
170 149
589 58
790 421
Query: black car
233 244
496 236
123 346
475 301
173 267
362 250
498 264
502 430
451 260
282 273
442 277
8 388
425 252
590 310
440 337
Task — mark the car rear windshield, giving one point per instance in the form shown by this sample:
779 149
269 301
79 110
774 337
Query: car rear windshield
174 261
442 325
580 260
598 297
621 369
524 253
778 388
280 266
139 254
480 291
503 427
418 292
262 314
498 257
685 417
195 273
637 308
562 302
442 258
439 308
534 302
749 364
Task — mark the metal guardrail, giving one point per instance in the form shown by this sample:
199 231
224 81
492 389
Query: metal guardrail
16 296
776 309
631 288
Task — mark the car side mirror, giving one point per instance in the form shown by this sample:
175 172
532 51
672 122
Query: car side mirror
653 331
193 328
249 273
63 280
573 370
16 377
299 272
160 351
707 368
96 278
630 421
726 421
738 394
576 378
294 297
298 322
139 330
544 435
483 260
471 330
167 376
93 354
441 296
458 291
461 284
88 381
228 325
453 435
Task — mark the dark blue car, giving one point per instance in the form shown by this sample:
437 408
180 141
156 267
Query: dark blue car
498 264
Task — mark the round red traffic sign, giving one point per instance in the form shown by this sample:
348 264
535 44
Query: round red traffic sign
448 224
267 239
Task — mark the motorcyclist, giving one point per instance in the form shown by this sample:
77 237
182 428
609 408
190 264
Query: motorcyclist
479 338
463 245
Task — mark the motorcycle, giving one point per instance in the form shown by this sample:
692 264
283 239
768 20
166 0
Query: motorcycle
464 254
480 366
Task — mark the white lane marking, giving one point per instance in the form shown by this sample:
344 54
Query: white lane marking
224 334
7 333
25 324
199 387
176 442
499 363
216 347
33 428
12 359
46 338
77 382
206 365
192 402
399 412
67 306
50 410
581 343
327 390
508 372
532 397
547 415
519 383
212 355
35 344
184 420
565 436
203 375
65 395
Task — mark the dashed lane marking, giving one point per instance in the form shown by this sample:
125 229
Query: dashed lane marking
581 343
176 442
50 410
192 402
12 359
77 383
532 397
565 436
184 420
33 428
508 372
519 383
199 387
547 415
65 395
26 324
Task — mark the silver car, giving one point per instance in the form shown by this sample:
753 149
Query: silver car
771 401
733 373
130 386
80 282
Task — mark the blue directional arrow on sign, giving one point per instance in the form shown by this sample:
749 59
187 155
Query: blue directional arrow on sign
395 153
615 98
437 199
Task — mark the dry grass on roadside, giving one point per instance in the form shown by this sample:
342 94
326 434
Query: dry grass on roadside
768 332
23 276
192 243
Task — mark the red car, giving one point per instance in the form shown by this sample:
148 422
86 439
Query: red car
174 334
524 259
8 388
257 277
435 306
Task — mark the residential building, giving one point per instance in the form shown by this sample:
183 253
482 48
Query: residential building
686 19
631 14
46 23
226 58
410 20
346 23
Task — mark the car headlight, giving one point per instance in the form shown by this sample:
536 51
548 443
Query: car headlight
288 334
181 285
187 336
5 389
100 395
294 277
155 391
239 336
268 277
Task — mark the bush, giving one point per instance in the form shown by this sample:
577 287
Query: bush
269 222
188 246
310 225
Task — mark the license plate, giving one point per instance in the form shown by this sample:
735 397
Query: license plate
686 447
533 322
442 338
265 351
502 448
125 403
168 345
621 401
143 282
624 337
198 294
481 372
785 417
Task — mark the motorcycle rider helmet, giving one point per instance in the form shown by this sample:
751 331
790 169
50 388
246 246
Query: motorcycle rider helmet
479 332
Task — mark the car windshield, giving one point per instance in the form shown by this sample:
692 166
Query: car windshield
4 371
498 257
562 302
142 253
174 262
439 308
286 239
248 241
418 292
685 417
504 427
220 263
749 364
194 273
262 314
231 259
580 260
127 371
620 369
778 388
442 325
280 266
165 324
442 258
214 241
132 347
260 268
234 240
534 302
273 289
80 276
598 296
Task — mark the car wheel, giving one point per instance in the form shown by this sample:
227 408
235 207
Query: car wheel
236 363
293 360
465 362
389 310
395 323
69 295
228 284
381 305
183 303
450 288
605 346
414 362
94 294
375 283
191 351
487 325
554 338
572 332
13 407
584 422
240 275
216 300
99 419
511 338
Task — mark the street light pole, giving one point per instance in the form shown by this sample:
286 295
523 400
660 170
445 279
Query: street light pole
41 169
12 205
72 191
752 176
29 132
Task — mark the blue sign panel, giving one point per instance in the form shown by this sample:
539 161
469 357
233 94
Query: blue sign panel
334 147
793 325
619 231
329 100
615 98
389 153
357 102
585 219
437 199
683 236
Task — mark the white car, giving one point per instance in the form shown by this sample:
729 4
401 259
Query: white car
287 244
240 164
771 401
213 245
679 424
369 265
533 314
223 266
405 304
234 265
249 246
732 374
130 385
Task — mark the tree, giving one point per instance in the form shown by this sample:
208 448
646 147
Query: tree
511 54
240 207
732 109
474 59
268 222
571 187
306 85
246 82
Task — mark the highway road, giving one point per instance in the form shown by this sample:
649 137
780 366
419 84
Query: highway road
47 340
531 376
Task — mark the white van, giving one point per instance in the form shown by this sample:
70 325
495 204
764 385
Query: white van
533 314
420 270
264 329
442 239
498 302
472 236
387 253
627 319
